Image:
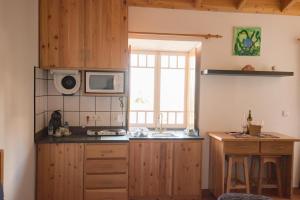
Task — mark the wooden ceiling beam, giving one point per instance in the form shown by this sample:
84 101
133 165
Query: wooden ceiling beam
286 4
241 4
244 6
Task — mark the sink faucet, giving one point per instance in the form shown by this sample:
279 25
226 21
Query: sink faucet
160 121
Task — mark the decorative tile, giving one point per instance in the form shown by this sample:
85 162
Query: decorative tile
83 119
87 103
117 102
103 103
103 119
55 103
71 103
118 119
72 118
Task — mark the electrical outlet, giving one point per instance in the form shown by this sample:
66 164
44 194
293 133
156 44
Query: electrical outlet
284 113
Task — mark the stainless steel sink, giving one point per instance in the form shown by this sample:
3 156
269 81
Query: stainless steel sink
161 134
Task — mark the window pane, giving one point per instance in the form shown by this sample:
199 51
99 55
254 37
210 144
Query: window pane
171 118
150 61
173 61
181 61
133 60
172 90
149 117
164 62
142 89
164 116
179 118
141 117
132 117
142 60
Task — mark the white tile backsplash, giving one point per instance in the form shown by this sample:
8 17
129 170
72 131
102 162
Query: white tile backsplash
87 103
103 119
40 104
103 111
55 103
118 118
103 103
116 104
83 119
41 73
72 118
51 88
40 87
71 103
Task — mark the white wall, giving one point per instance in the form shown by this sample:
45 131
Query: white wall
18 54
225 99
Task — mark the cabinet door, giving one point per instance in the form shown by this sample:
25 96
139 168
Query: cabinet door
60 172
106 34
61 33
187 169
150 169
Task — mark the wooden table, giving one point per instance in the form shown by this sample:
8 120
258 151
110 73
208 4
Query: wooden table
222 144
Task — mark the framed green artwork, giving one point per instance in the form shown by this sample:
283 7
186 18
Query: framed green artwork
247 41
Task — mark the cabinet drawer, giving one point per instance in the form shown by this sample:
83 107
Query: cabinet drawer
277 148
94 151
241 147
106 194
106 181
106 166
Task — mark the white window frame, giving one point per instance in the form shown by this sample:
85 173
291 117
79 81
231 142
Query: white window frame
157 73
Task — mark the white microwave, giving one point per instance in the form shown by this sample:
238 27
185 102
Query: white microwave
104 82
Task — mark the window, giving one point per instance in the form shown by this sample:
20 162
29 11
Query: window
158 82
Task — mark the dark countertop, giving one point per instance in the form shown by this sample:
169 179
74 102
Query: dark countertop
79 136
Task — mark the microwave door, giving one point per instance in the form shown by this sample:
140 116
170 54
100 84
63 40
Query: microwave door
101 83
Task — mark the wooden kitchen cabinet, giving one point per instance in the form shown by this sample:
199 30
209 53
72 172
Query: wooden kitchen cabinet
106 34
165 170
150 171
60 171
187 170
61 33
84 34
106 171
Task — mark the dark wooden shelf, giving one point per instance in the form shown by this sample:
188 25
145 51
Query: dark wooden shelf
245 73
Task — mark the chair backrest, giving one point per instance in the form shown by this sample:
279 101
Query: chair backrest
1 166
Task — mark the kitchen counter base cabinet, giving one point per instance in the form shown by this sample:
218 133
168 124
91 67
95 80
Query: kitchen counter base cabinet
106 172
165 170
60 171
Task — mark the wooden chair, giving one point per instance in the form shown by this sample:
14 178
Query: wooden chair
276 161
238 184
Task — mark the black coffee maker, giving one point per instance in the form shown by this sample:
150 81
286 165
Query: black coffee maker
55 120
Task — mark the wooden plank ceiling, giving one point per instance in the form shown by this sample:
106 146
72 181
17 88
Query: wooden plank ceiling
280 7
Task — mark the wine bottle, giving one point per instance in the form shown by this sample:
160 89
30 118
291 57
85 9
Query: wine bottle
249 121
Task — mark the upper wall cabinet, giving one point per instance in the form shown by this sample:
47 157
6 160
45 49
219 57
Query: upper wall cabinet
106 34
61 33
84 34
